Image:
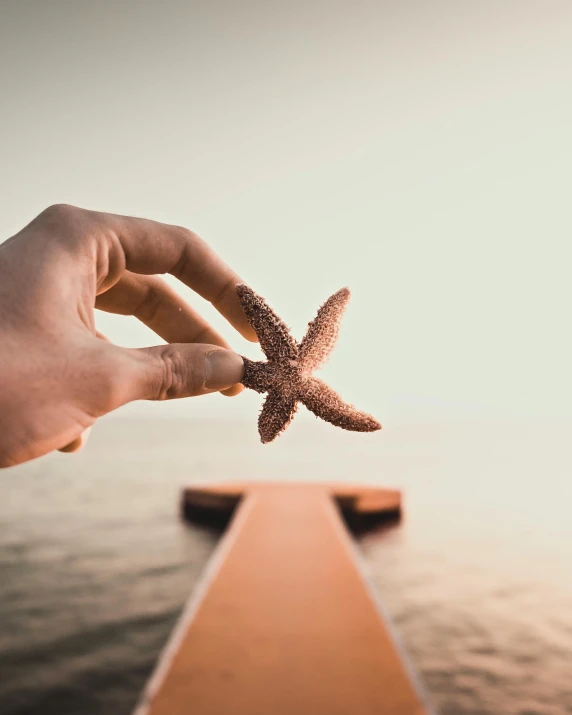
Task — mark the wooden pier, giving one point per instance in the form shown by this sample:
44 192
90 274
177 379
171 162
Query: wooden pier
284 621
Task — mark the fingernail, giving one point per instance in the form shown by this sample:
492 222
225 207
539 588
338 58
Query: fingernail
223 369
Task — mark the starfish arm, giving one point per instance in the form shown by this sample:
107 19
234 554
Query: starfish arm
275 338
323 331
325 403
277 413
255 375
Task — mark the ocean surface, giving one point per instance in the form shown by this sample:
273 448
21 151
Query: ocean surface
96 563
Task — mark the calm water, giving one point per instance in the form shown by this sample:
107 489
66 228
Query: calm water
95 563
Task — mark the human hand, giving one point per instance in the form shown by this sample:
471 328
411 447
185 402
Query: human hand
58 375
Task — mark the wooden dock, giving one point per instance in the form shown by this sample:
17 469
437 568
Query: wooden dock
284 622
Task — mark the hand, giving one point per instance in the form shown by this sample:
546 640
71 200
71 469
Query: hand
57 374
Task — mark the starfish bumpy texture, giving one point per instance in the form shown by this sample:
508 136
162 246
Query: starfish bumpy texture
287 376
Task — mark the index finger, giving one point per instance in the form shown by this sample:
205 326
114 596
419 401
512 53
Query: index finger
149 247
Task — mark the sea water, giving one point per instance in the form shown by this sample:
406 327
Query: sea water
96 563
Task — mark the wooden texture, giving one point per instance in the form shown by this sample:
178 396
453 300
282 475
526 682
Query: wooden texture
284 623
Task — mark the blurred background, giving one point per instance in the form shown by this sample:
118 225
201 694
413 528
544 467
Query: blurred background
418 152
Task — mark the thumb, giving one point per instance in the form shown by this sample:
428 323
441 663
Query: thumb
171 371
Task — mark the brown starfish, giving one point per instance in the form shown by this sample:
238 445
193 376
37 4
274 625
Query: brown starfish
287 376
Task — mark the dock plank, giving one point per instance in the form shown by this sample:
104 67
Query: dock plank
286 623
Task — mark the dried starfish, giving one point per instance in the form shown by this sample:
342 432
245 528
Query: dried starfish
287 376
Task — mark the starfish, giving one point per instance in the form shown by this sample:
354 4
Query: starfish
287 375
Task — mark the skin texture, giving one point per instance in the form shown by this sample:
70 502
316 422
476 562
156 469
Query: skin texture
57 374
287 375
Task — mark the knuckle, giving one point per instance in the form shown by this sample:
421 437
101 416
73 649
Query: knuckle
64 223
229 288
189 240
59 213
100 386
177 379
152 301
187 235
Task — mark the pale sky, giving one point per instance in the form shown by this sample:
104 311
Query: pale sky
418 152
